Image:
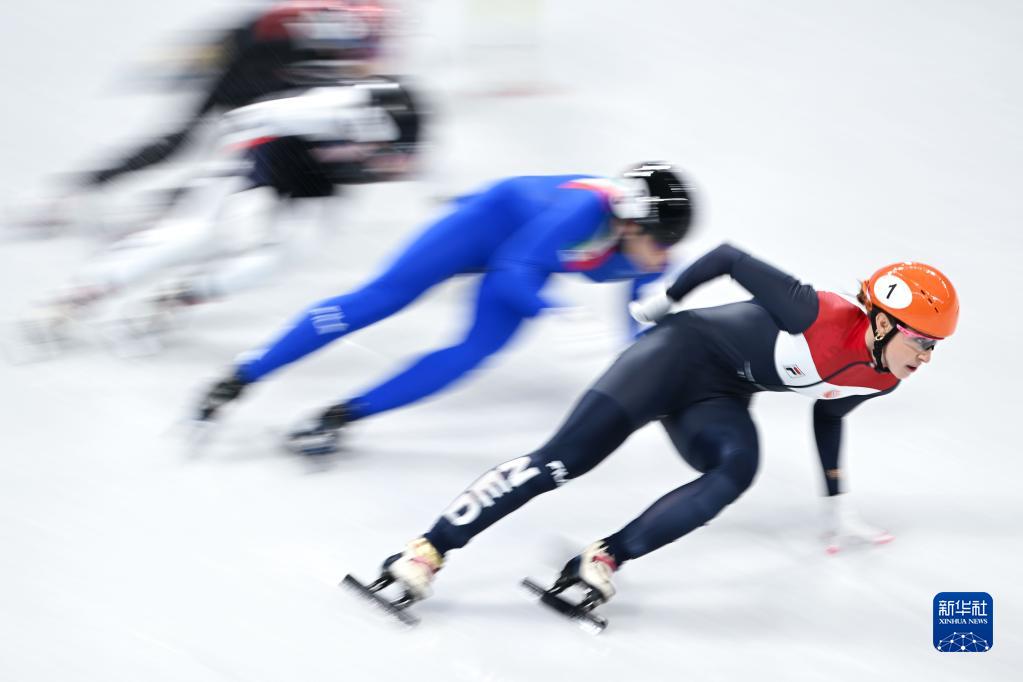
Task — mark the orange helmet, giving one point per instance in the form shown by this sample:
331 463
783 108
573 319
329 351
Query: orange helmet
917 295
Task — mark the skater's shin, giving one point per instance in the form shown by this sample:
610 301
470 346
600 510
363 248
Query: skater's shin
594 429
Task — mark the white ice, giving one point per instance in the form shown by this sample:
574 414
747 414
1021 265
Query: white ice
829 138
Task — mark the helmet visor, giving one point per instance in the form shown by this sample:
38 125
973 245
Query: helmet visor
921 342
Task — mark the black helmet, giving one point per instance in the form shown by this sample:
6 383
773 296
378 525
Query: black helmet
657 199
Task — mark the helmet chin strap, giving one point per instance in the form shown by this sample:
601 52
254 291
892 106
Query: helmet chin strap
881 340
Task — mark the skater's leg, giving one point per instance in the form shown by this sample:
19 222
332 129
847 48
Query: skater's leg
256 250
717 437
238 273
188 235
449 247
637 388
594 429
493 325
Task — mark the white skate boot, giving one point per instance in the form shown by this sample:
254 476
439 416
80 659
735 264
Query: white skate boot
415 567
592 570
412 570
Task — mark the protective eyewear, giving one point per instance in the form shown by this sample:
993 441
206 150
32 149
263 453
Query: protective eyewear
922 342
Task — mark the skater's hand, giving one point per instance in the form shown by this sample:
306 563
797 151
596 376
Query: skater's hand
652 309
844 526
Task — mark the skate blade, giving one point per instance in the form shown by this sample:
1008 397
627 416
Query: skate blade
312 453
310 464
388 607
300 442
590 622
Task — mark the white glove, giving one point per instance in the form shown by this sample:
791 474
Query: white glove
845 527
651 309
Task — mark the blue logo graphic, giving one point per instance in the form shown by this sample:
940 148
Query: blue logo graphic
963 622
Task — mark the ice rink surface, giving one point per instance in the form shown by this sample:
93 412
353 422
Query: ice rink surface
828 138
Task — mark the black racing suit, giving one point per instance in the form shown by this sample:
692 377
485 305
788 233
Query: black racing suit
695 372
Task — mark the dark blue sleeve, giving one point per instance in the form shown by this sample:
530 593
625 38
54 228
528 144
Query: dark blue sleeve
522 265
791 303
827 430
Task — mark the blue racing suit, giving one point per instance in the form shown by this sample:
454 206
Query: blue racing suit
517 233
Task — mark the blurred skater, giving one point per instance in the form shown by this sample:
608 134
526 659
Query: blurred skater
273 155
286 46
518 232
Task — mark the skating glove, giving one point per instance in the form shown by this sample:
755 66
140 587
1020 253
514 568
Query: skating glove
651 310
844 526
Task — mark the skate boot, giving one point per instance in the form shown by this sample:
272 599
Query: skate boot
592 571
412 571
221 393
414 568
320 435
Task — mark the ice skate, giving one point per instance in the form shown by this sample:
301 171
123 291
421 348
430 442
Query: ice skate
318 436
412 570
218 395
592 571
204 420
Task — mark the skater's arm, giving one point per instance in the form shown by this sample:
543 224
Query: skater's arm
635 291
159 149
827 430
792 303
150 154
232 87
521 267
